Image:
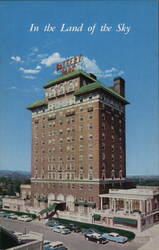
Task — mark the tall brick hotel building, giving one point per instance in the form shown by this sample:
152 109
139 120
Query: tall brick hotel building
78 141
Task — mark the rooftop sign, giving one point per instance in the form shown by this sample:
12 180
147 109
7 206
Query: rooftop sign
68 65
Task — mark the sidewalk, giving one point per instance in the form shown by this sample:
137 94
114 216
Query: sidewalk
153 234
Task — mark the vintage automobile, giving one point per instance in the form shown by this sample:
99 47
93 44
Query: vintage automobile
115 237
13 216
57 245
52 223
96 238
74 228
61 229
24 218
89 231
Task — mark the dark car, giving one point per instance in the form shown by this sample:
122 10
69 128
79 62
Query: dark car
96 238
74 228
90 231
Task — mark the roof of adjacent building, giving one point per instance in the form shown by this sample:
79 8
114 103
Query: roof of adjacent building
98 85
37 104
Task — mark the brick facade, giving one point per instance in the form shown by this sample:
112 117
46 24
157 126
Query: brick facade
78 141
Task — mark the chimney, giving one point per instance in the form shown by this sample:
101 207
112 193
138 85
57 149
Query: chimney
119 86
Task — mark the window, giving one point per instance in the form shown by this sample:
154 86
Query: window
90 146
68 130
113 174
90 166
81 176
103 156
90 116
68 139
90 136
90 176
90 157
81 147
60 149
81 137
90 109
90 187
103 116
81 128
81 118
81 166
81 157
68 120
90 125
112 157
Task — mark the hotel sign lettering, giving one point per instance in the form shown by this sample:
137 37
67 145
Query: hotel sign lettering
68 65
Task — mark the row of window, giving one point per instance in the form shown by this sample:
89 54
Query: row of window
61 121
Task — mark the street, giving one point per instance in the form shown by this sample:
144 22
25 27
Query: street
74 241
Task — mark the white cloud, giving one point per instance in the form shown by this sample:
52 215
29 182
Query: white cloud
38 67
54 58
29 77
17 59
35 49
90 65
12 88
31 71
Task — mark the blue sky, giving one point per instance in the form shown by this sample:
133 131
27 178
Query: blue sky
28 61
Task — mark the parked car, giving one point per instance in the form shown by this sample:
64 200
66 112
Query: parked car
57 245
74 228
25 218
61 229
96 238
13 216
52 223
115 237
90 231
2 214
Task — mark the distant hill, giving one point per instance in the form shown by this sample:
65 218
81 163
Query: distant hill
15 174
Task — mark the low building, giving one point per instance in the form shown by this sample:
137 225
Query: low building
25 191
137 208
13 203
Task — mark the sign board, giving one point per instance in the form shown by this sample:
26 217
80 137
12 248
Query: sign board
69 65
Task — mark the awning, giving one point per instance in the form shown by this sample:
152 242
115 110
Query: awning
120 220
41 199
86 204
49 209
96 216
52 207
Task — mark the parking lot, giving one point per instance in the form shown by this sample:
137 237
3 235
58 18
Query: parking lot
74 241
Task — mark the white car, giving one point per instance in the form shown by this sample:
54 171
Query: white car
25 218
13 216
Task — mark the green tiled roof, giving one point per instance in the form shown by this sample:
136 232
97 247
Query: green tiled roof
37 104
98 85
66 76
